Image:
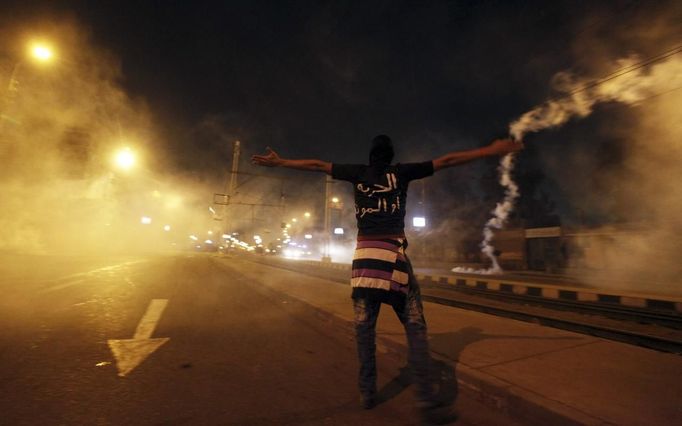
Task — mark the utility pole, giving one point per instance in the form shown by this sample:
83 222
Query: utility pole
233 183
235 169
327 218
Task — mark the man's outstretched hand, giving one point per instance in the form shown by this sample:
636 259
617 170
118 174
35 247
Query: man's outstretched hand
505 146
271 159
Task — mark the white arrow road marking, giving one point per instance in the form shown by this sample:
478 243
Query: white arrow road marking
129 353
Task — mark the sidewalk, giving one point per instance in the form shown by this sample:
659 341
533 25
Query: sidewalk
536 374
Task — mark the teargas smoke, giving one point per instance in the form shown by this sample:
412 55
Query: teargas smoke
83 169
499 216
634 81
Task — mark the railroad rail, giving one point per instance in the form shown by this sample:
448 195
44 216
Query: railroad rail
652 325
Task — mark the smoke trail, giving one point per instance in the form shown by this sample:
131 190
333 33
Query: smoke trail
633 82
499 216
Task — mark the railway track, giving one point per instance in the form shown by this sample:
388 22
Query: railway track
619 312
650 328
637 329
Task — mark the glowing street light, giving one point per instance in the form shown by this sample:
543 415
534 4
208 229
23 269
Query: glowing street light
124 158
338 231
335 200
41 52
418 222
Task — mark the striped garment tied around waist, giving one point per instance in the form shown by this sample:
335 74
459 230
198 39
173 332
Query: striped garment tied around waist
381 264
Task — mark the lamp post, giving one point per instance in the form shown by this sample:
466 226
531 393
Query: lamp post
327 216
330 203
38 52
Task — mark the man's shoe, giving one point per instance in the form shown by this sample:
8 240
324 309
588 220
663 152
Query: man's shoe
436 413
369 402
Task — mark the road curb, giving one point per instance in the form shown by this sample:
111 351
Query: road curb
507 398
559 292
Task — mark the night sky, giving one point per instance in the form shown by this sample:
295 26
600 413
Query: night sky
321 78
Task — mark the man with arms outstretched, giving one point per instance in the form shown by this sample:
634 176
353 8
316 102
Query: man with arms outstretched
381 271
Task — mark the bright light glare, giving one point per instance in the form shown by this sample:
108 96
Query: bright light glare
292 253
125 158
193 237
167 228
294 220
306 214
173 201
308 236
338 231
341 253
145 220
41 52
335 199
419 222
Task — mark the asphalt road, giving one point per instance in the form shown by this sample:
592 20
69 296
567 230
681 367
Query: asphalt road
236 354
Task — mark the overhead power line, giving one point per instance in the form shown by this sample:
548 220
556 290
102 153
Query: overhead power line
626 70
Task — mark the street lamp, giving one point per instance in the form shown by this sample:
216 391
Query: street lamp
124 158
41 52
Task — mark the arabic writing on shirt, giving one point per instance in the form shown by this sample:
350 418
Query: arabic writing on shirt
389 190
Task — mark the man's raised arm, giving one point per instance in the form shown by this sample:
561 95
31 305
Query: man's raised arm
271 159
497 147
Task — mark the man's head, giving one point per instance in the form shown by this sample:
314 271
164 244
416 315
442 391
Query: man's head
382 151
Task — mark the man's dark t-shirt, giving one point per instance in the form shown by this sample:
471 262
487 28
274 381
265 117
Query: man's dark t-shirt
381 194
